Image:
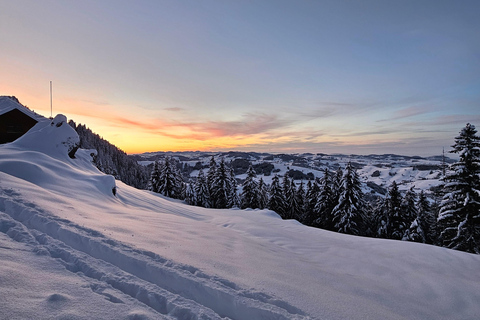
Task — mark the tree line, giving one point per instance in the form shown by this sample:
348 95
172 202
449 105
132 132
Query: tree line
336 202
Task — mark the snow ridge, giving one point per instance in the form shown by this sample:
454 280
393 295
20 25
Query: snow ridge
173 290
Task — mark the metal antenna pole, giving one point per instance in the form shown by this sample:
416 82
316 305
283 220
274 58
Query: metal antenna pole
51 109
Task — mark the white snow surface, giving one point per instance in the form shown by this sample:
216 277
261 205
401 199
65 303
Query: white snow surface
70 249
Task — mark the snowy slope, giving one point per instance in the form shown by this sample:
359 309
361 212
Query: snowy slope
71 249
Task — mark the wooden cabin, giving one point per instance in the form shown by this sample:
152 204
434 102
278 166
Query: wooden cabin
15 119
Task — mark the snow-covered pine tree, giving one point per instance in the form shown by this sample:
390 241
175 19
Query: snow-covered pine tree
210 179
202 191
291 205
180 186
459 216
348 213
153 184
409 206
415 231
233 197
249 194
276 201
262 194
397 220
427 218
221 186
310 201
167 184
190 196
337 184
325 202
300 199
382 218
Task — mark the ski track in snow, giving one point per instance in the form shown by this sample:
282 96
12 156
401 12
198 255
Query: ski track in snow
171 289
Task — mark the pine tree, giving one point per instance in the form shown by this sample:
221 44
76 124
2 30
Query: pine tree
202 191
210 179
300 202
277 201
180 187
348 214
262 194
249 195
233 198
310 201
221 186
168 184
427 219
382 218
397 220
190 196
409 206
459 216
418 230
325 202
337 184
153 184
291 205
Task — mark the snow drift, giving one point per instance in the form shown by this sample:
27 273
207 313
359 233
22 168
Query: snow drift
138 255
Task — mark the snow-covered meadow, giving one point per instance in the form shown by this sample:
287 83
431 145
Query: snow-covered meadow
71 249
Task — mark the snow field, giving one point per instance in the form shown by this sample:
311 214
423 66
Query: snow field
179 291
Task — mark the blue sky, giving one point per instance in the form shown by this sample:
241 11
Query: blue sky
278 76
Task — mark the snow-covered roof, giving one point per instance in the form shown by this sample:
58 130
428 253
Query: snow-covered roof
8 104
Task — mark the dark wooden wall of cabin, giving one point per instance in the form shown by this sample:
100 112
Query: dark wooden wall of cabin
14 124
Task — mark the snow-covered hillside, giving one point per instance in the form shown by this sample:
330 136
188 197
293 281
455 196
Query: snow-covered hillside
72 249
377 172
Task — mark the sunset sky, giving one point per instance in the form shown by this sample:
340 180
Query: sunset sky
276 76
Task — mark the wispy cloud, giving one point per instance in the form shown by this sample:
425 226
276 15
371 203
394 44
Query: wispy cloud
249 124
174 109
457 120
408 112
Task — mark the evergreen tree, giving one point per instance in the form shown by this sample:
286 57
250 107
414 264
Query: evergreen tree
153 184
291 205
409 206
210 179
348 214
310 201
180 186
277 201
325 202
427 219
459 216
300 202
221 186
398 223
202 191
337 184
190 196
382 218
233 198
415 232
249 195
169 180
262 194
